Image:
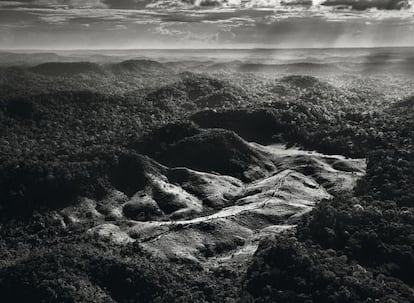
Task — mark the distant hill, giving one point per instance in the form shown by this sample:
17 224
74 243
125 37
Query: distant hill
198 91
306 67
252 67
302 81
405 68
403 108
12 59
311 90
138 66
67 69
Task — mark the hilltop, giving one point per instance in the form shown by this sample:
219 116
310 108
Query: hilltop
138 66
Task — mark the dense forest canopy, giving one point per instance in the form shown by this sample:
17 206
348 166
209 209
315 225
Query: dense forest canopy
84 129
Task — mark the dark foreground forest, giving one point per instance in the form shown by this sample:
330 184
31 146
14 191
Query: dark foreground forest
104 168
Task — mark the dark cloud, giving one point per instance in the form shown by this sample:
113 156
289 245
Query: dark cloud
306 3
114 4
54 3
367 4
127 4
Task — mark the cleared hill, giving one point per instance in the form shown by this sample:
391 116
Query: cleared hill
181 213
145 190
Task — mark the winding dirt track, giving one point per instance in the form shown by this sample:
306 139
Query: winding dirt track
226 212
262 208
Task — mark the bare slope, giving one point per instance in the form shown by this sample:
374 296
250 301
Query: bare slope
204 216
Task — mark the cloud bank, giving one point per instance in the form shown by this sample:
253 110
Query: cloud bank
206 4
205 23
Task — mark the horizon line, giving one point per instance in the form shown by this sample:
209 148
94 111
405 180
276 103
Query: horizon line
201 48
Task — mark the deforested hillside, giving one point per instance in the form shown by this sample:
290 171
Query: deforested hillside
225 213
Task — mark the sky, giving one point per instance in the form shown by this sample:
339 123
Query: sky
160 24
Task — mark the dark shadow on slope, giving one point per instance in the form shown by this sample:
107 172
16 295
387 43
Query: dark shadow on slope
212 150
